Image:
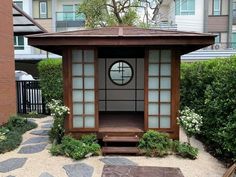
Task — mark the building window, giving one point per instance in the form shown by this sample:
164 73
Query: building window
185 7
233 40
121 73
216 7
19 42
69 12
43 9
19 4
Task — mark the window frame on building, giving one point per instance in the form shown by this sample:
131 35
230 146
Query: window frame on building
216 12
43 14
17 45
19 4
180 10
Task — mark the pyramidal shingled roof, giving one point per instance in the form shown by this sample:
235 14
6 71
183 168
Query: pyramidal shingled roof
122 36
122 31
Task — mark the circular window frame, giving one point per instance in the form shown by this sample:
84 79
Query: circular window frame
131 77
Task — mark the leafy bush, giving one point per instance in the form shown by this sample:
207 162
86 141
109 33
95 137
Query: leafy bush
11 133
155 144
59 113
184 150
190 121
51 82
75 149
89 139
210 89
16 121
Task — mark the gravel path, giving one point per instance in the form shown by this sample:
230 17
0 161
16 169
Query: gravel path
32 159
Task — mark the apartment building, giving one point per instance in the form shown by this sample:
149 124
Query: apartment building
210 16
54 16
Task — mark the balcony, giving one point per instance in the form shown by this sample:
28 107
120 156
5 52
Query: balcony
222 46
165 26
67 20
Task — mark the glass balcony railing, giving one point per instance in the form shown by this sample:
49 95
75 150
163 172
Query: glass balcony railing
222 46
69 16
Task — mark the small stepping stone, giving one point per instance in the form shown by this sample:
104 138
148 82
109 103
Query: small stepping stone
45 174
41 139
118 161
31 149
12 164
81 170
39 132
46 126
48 121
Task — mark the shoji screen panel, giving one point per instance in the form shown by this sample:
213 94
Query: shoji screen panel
83 89
159 89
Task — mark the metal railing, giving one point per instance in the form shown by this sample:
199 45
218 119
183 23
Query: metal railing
222 46
69 16
29 97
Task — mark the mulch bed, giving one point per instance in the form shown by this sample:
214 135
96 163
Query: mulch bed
140 171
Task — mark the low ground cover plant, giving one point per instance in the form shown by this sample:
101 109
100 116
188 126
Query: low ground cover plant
77 149
209 88
156 144
11 133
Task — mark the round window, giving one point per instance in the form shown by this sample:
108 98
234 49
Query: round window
121 73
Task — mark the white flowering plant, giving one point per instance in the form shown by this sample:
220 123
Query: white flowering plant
190 121
59 112
3 133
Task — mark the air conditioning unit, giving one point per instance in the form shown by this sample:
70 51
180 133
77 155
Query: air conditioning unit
216 46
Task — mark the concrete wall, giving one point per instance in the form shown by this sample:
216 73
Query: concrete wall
7 76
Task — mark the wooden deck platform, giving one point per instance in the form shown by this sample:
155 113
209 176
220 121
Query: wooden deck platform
121 123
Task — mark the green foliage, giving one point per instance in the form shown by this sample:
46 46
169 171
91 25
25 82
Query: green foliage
17 121
59 112
89 139
190 121
76 149
109 13
51 83
184 150
11 133
155 144
210 89
12 141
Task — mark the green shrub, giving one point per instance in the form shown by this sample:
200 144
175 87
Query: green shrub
16 121
11 134
184 150
75 149
59 112
51 82
190 122
12 141
155 144
210 89
89 139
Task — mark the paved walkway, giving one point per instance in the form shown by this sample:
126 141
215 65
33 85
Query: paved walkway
32 159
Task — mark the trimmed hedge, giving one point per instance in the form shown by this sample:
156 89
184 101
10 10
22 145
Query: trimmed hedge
209 88
51 82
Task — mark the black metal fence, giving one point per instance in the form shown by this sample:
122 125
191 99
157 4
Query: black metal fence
29 97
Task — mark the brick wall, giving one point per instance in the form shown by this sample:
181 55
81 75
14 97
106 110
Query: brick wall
7 65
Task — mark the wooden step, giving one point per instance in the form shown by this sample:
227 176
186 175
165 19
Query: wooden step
120 150
132 139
